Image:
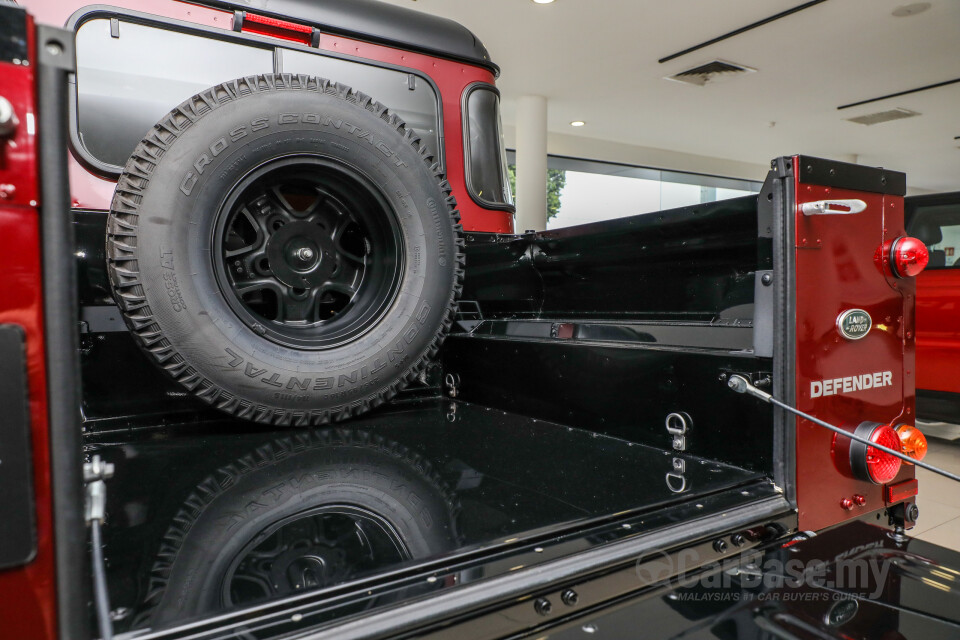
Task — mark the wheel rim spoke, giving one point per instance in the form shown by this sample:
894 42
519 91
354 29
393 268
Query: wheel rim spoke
257 242
338 287
313 550
294 310
280 203
339 231
245 287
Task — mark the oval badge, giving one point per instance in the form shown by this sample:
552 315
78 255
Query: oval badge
854 324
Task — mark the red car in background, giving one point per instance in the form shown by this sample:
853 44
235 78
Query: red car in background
935 219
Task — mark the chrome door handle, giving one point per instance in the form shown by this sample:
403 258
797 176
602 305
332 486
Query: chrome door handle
826 207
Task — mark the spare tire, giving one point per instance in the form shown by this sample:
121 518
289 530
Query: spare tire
285 248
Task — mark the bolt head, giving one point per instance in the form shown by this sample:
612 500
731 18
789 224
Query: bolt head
542 606
720 546
570 597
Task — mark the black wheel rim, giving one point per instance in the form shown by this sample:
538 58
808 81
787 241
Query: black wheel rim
308 252
311 550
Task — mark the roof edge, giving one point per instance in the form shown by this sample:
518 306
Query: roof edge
376 22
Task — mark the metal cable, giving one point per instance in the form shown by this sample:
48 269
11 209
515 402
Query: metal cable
741 385
100 596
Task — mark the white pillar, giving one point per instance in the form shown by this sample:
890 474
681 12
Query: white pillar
531 163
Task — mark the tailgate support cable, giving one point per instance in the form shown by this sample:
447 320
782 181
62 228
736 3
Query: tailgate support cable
742 385
94 474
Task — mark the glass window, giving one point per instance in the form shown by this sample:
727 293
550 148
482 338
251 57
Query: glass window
938 226
583 191
486 153
125 84
405 94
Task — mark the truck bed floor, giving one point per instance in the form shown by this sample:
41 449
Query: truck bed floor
514 477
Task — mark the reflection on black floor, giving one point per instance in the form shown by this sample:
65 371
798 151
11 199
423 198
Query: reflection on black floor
206 522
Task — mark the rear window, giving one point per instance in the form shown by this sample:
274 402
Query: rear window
127 81
130 75
406 94
486 154
938 226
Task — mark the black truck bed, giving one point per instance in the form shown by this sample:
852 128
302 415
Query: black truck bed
539 433
515 479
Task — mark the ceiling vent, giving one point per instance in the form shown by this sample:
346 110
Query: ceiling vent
884 116
712 72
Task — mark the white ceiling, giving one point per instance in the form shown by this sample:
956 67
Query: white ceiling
596 60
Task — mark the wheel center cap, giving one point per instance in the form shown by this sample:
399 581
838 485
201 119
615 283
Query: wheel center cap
301 254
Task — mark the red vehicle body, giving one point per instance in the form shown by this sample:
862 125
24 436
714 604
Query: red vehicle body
452 78
556 297
839 264
934 219
29 609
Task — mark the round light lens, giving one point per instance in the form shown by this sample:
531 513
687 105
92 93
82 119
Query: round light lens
883 467
910 257
912 441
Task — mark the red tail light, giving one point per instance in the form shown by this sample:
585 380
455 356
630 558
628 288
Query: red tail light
865 462
267 26
909 257
877 466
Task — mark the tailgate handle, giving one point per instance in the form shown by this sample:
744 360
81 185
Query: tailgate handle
825 207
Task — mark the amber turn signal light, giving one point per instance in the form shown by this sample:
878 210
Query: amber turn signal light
912 441
908 257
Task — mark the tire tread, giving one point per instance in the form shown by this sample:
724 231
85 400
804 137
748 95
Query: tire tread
122 257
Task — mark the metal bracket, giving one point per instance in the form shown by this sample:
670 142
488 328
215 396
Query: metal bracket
102 319
55 47
452 382
678 424
95 473
826 207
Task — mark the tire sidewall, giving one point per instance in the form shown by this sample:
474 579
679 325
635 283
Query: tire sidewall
175 238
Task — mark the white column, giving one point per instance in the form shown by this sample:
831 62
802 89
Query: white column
531 163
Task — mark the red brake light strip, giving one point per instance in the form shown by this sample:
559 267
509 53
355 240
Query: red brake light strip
275 28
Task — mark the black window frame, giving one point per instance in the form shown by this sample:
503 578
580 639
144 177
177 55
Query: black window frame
97 11
467 168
